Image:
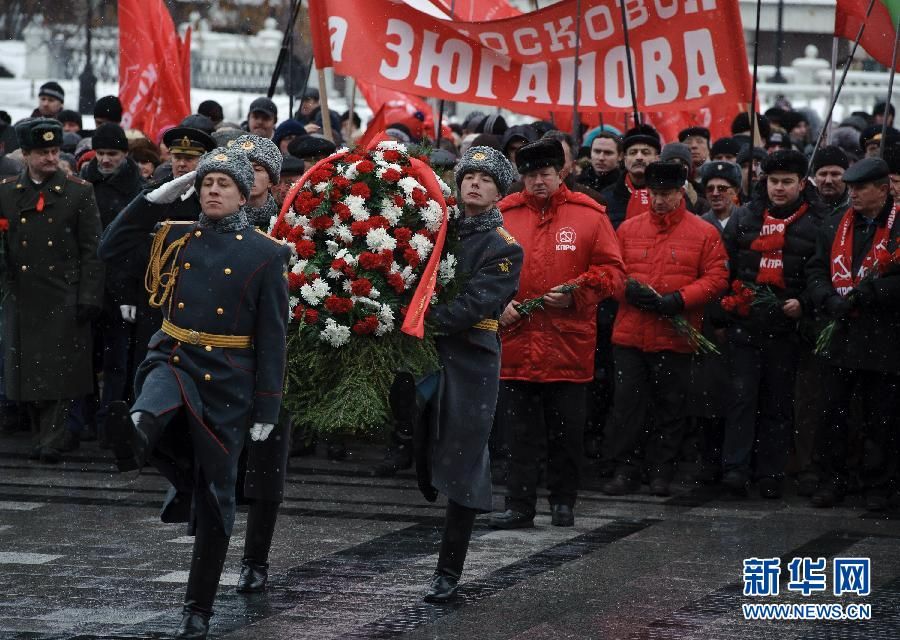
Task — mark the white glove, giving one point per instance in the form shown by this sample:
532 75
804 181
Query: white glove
129 312
260 431
172 190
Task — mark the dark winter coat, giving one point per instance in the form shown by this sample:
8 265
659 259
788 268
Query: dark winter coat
617 197
489 264
113 193
229 282
868 338
742 230
51 268
598 181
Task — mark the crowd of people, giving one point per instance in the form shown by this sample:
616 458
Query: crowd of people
724 305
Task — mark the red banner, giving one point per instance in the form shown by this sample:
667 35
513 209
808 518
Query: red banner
477 10
685 55
154 67
878 38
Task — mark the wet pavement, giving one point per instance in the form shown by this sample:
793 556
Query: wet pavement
84 556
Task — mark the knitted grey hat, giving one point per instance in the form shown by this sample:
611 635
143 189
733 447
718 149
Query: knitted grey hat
487 160
232 162
261 151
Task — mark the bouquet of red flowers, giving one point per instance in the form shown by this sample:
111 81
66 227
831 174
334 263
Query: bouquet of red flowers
745 295
699 342
594 278
362 227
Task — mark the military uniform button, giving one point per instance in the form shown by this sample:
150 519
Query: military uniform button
239 237
24 243
198 233
49 243
227 271
24 267
207 377
51 267
181 305
187 265
23 220
50 220
208 348
220 310
176 359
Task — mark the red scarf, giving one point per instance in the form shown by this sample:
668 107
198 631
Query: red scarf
842 278
639 202
771 244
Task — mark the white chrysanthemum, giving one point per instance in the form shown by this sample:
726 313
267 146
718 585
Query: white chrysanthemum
445 188
391 212
432 215
314 292
342 232
374 293
392 145
380 240
272 222
422 245
299 266
293 301
454 212
320 187
367 302
384 166
301 220
357 206
395 268
332 247
447 269
408 184
335 334
344 149
409 277
346 256
350 172
291 217
386 314
334 274
434 299
378 156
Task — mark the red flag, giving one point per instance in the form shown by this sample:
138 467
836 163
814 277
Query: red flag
878 38
375 127
154 67
477 10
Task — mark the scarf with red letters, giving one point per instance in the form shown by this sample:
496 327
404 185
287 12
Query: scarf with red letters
639 202
771 244
842 278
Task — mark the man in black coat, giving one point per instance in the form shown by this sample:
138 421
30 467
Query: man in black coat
117 180
629 197
828 167
854 279
768 245
605 157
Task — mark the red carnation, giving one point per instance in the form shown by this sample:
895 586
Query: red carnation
451 201
391 175
361 189
419 197
361 287
305 248
321 222
402 234
295 234
338 264
298 312
336 304
395 280
318 176
391 155
295 281
365 326
311 316
412 257
369 261
340 182
342 211
376 222
366 166
359 227
350 158
399 201
280 230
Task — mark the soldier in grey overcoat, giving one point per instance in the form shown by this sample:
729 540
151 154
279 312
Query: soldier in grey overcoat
216 366
54 285
489 261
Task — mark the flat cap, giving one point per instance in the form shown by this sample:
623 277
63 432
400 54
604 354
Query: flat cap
786 161
264 105
487 160
728 171
39 133
311 146
642 134
828 156
665 175
545 152
866 170
702 132
188 141
198 121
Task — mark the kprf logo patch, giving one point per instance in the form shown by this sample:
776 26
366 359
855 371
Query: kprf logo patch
565 239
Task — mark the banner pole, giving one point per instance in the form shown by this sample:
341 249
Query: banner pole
350 109
634 105
283 52
323 100
840 85
439 125
834 51
576 125
754 125
887 104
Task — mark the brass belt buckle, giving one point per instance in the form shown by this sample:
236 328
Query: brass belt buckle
194 337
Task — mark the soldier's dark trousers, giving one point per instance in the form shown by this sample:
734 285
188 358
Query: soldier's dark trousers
261 518
210 548
761 406
538 415
458 525
878 396
48 420
650 393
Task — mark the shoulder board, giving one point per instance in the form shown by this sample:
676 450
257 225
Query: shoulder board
9 179
76 179
506 235
268 237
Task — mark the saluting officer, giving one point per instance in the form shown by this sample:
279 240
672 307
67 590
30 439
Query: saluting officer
215 367
55 284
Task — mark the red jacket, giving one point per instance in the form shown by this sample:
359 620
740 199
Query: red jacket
676 252
562 242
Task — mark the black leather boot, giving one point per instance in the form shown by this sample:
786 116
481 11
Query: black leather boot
399 454
452 557
261 517
145 433
210 548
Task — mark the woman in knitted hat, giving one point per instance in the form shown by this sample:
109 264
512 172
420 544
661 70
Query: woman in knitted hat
215 367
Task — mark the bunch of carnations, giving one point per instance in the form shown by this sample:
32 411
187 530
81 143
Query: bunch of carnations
362 227
594 278
699 343
745 295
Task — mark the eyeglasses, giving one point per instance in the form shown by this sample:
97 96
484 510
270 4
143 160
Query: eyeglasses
717 188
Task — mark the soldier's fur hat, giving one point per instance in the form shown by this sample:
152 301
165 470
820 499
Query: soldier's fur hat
232 162
261 151
487 160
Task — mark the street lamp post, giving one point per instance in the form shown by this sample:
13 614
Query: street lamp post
87 81
779 41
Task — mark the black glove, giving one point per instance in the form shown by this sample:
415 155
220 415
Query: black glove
864 294
671 304
838 307
641 297
87 312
